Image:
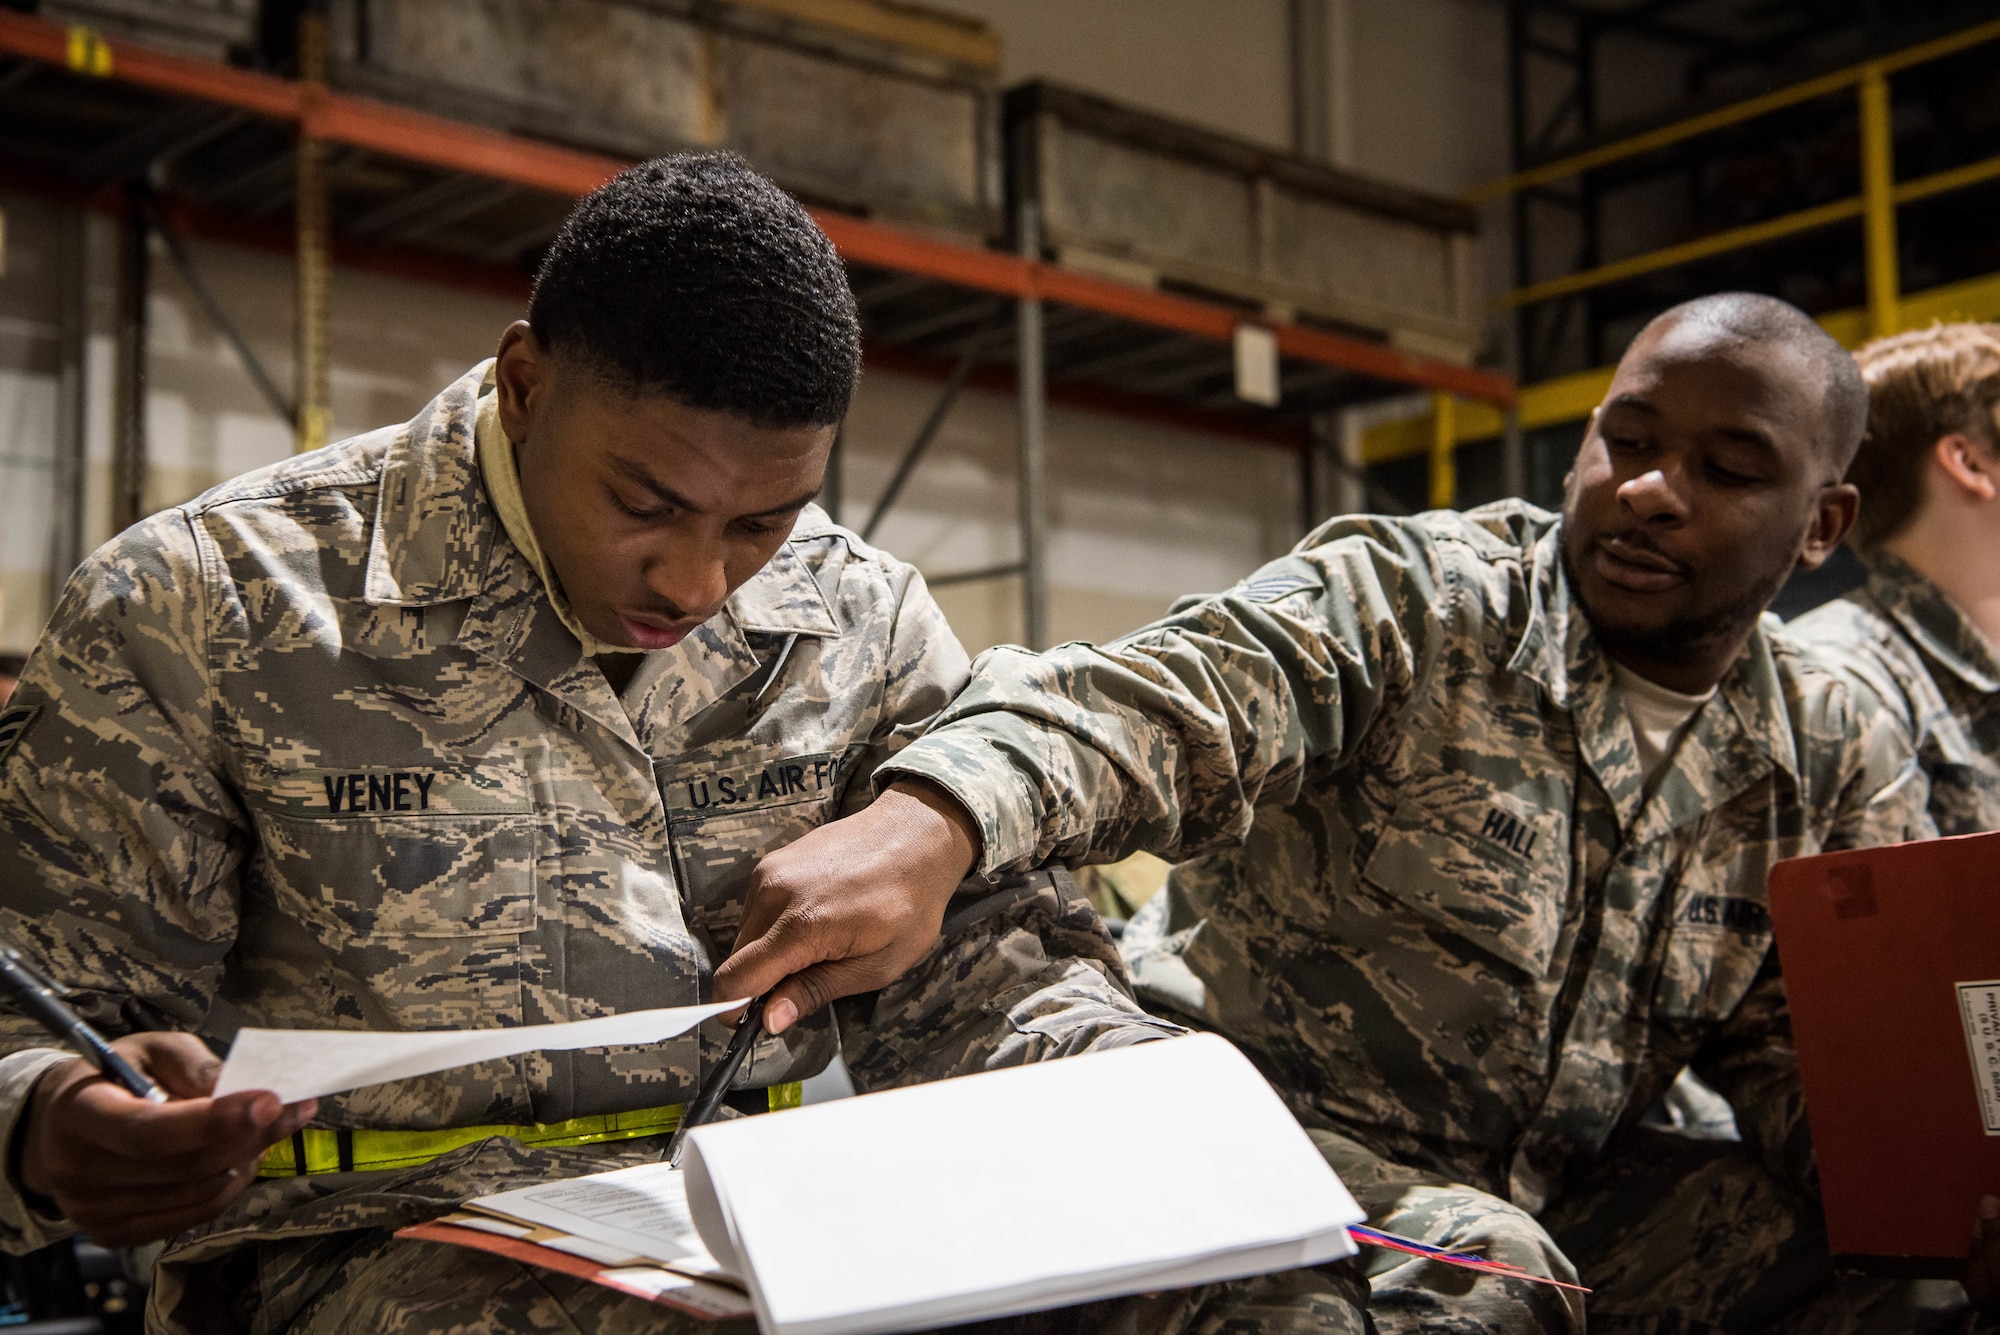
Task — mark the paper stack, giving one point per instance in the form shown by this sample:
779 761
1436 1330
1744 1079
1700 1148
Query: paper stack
979 1197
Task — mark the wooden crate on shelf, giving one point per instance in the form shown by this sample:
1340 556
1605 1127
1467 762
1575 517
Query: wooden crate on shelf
214 29
875 108
1135 195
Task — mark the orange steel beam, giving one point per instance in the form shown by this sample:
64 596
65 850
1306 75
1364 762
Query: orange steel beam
455 146
913 252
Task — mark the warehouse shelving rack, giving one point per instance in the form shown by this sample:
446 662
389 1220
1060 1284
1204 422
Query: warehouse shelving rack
191 146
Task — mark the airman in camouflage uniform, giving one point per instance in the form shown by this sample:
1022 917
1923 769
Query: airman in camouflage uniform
1928 469
313 749
1920 651
1425 884
327 747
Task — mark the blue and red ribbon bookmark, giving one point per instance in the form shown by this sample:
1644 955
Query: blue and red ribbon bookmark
1375 1237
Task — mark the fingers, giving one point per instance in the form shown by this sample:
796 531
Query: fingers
133 1220
821 984
151 1145
792 943
1982 1266
181 1064
763 906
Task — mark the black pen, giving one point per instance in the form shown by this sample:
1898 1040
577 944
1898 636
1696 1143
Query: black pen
39 997
709 1097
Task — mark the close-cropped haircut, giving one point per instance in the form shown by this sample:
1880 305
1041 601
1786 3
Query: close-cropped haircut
694 277
1754 317
1922 386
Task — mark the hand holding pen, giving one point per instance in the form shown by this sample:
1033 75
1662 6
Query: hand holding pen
124 1166
708 1098
34 994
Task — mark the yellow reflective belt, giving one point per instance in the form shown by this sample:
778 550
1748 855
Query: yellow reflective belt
320 1150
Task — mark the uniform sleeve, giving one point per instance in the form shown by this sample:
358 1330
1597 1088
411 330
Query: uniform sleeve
1166 740
926 666
1752 1060
1022 972
120 839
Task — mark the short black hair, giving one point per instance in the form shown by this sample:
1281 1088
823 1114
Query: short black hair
694 277
1756 318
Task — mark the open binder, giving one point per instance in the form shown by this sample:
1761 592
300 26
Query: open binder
965 1199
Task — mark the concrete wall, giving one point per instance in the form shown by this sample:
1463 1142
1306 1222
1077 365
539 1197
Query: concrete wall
1139 513
1221 63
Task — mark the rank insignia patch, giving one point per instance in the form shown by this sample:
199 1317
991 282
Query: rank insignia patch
1272 587
14 722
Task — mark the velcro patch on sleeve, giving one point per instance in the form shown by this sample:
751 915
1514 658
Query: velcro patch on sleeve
13 723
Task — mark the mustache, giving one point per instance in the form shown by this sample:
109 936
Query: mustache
666 612
1639 539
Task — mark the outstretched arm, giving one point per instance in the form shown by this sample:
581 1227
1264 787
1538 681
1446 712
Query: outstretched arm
1165 740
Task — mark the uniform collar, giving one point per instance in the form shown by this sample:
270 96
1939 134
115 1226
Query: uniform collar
1933 622
1735 738
434 527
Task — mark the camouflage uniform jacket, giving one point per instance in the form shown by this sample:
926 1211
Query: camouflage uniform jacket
315 749
1426 889
1916 649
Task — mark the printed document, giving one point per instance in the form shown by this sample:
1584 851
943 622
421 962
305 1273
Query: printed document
299 1064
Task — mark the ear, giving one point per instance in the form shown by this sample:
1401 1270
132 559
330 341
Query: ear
521 375
1833 514
1969 465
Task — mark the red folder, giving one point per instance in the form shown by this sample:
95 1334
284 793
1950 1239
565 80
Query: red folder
1892 969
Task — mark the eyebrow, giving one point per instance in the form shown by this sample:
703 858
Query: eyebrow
1634 402
638 475
1755 439
1741 435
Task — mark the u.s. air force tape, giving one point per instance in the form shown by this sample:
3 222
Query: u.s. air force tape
14 722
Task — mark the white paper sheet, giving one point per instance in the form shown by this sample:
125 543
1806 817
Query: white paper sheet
987 1195
299 1064
643 1210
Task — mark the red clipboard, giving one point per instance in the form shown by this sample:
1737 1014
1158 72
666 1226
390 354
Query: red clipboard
1891 959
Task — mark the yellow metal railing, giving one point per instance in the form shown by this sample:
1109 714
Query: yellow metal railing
1888 309
1735 113
1570 398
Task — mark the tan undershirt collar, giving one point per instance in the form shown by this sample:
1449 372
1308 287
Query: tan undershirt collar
1660 718
503 488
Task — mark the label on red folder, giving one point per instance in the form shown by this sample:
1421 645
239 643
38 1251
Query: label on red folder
1979 1007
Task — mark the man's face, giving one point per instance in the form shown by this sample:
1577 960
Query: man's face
650 513
1702 481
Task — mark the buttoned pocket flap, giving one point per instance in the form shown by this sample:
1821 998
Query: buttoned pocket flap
727 812
1721 936
400 876
1485 864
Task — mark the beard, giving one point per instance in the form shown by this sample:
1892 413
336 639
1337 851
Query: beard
1683 640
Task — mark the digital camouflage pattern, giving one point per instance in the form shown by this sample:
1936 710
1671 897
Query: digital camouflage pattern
1408 1294
1422 883
1918 651
1676 1235
432 1289
314 749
